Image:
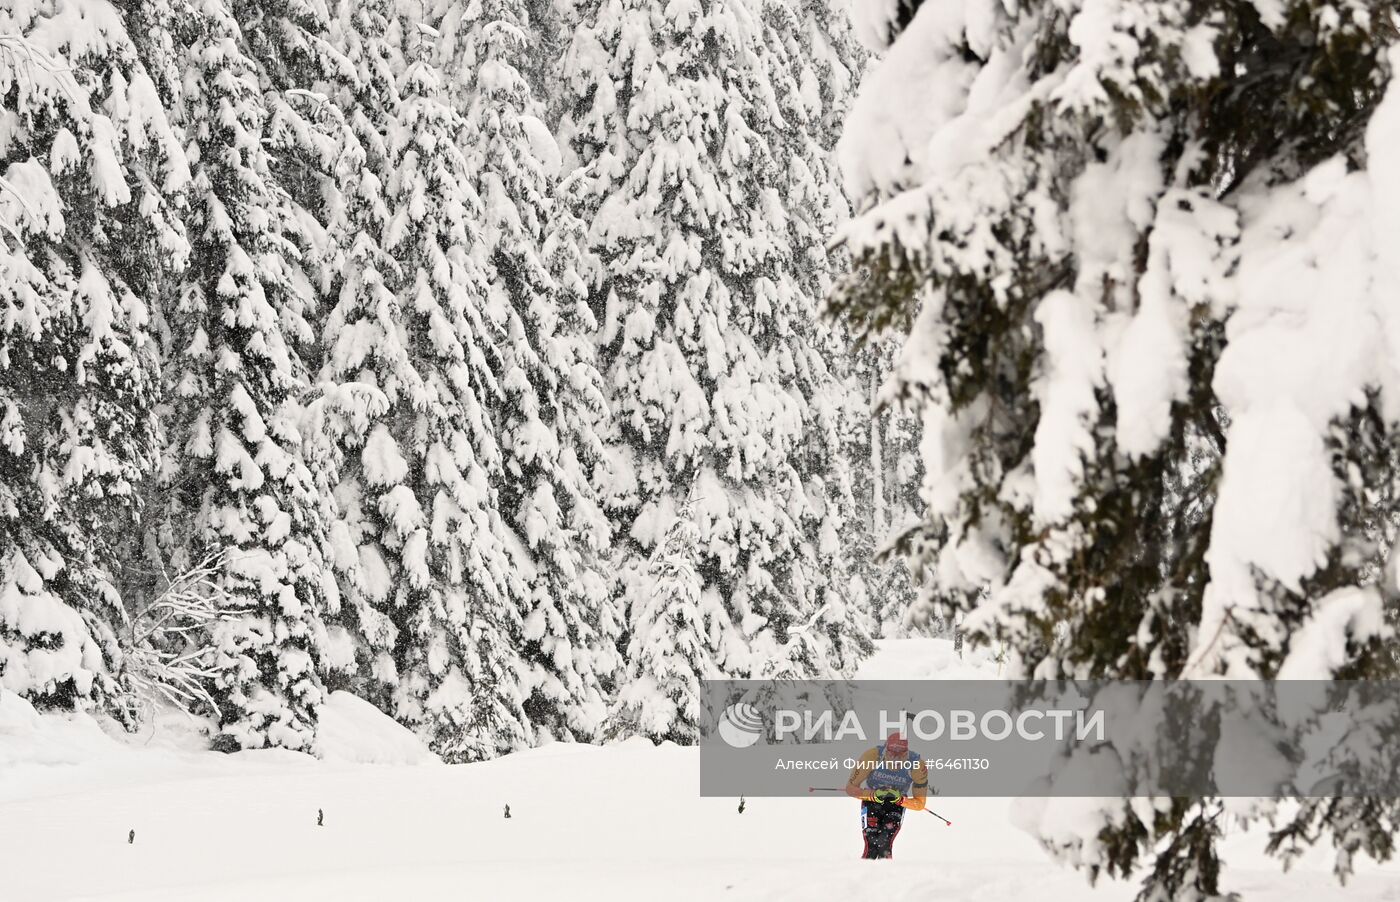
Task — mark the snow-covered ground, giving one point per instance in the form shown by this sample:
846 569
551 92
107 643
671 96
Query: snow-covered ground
615 823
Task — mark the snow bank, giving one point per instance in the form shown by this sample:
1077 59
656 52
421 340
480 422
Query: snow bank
236 827
352 731
44 753
30 738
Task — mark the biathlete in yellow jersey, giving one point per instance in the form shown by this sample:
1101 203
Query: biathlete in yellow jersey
887 779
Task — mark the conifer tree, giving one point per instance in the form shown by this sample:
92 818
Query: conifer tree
90 166
313 150
706 330
672 643
809 57
233 463
817 61
412 329
1107 231
360 276
552 399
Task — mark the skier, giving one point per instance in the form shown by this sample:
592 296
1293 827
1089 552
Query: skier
887 779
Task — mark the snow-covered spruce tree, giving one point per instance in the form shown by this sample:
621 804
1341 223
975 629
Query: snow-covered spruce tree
292 43
673 642
316 108
235 477
305 75
85 238
815 62
706 335
360 277
552 401
809 60
574 268
410 343
1144 252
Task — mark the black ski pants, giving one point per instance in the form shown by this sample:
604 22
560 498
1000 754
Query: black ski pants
879 823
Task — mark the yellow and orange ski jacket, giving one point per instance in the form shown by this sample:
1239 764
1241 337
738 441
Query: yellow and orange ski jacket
915 794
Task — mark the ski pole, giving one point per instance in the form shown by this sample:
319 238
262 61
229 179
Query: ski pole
939 816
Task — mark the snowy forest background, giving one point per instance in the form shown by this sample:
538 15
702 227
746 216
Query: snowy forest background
479 357
466 356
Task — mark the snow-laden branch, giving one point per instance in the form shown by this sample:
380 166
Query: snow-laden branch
20 55
166 657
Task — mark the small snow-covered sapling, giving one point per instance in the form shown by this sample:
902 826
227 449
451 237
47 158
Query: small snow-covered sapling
507 812
320 817
131 838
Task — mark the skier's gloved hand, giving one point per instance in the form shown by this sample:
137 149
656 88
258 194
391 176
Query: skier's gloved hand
888 796
857 792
